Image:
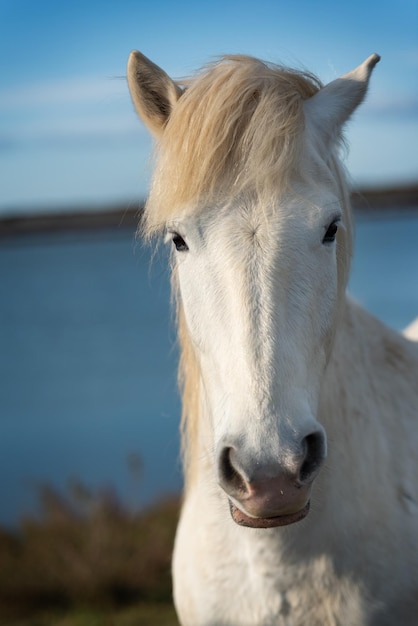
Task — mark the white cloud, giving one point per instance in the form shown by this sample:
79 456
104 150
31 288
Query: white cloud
67 111
399 104
76 90
74 127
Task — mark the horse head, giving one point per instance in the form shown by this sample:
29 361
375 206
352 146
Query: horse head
248 189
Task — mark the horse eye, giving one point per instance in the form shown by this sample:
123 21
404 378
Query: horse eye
331 232
181 245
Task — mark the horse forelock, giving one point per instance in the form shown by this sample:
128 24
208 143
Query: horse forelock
237 127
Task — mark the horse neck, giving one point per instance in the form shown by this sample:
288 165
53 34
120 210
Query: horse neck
356 361
365 408
348 381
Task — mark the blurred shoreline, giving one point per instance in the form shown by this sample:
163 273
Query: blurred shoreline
370 201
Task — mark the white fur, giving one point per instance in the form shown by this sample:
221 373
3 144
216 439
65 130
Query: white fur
411 331
282 352
354 559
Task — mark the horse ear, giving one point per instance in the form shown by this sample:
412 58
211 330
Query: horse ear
332 105
153 92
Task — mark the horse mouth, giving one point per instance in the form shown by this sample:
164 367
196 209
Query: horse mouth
242 519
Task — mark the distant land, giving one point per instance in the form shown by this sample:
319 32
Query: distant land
366 200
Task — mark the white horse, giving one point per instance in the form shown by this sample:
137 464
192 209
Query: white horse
300 409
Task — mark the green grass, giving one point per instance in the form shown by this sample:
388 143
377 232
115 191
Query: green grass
87 550
141 615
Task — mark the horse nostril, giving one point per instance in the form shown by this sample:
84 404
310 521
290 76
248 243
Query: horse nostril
230 478
315 450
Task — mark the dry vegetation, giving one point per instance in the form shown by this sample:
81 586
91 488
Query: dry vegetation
88 561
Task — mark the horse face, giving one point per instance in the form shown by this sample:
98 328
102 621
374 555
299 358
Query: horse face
259 291
259 288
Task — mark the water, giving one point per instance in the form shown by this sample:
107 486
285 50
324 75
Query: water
87 367
88 357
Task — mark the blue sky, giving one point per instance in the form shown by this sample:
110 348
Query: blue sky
68 133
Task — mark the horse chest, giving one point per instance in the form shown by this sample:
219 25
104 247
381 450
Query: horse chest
240 579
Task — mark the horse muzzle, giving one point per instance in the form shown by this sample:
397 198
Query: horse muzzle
271 502
276 494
